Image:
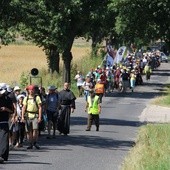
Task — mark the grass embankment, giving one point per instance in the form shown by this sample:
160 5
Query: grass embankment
152 149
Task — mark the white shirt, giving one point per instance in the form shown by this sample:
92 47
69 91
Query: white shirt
80 79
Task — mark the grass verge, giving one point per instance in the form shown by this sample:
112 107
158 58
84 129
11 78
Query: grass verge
152 149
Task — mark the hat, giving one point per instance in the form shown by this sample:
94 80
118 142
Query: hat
16 88
30 87
98 80
8 88
2 88
19 96
52 88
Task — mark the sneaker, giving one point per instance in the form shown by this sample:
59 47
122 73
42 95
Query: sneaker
1 160
97 129
36 146
87 129
30 147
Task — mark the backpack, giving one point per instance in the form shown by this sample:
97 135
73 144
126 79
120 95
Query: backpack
125 76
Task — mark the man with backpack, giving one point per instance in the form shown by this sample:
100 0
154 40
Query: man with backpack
52 101
31 115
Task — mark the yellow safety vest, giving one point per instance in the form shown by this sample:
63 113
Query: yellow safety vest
93 107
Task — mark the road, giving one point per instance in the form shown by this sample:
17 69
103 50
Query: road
103 150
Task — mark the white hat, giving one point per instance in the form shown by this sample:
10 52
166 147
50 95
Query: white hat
98 80
52 88
2 88
16 88
8 88
19 96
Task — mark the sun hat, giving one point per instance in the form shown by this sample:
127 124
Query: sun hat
52 87
19 96
16 88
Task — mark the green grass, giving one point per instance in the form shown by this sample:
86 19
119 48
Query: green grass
152 149
163 100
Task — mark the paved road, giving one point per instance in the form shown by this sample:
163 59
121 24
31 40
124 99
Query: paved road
103 150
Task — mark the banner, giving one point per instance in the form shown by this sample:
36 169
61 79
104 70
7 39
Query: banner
120 54
109 60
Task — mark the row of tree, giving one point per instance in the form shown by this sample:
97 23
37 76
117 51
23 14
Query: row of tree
54 24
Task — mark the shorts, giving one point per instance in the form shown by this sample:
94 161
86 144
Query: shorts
31 124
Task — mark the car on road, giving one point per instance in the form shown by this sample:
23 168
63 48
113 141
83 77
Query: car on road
164 57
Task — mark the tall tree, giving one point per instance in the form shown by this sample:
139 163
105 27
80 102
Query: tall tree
7 21
55 24
143 19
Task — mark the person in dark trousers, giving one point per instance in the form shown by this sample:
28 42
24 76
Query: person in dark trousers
67 106
6 108
93 109
52 101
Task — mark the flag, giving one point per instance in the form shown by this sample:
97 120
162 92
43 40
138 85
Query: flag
109 60
120 54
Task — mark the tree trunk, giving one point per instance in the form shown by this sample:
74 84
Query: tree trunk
94 46
67 57
53 60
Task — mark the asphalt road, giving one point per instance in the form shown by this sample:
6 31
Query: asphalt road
103 150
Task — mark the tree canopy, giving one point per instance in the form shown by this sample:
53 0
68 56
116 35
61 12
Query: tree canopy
143 19
54 25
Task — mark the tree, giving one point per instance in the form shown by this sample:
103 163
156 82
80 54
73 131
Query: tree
144 20
55 24
7 22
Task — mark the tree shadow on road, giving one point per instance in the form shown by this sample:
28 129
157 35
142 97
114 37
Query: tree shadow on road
89 141
105 121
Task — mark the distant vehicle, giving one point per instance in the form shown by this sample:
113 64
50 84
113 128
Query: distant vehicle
164 58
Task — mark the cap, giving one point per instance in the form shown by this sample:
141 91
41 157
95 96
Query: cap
52 88
30 87
16 88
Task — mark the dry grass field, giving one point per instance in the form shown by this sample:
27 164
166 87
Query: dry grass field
16 59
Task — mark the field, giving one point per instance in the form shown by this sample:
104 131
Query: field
16 59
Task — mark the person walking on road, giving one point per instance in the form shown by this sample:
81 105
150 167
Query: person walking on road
93 108
31 114
52 103
80 79
147 71
67 106
6 108
132 80
87 86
